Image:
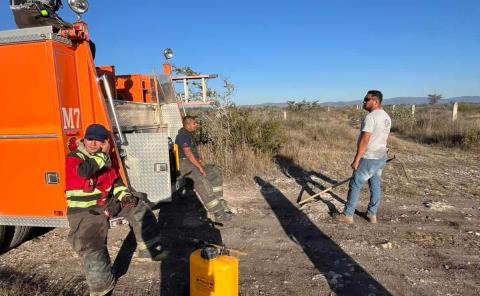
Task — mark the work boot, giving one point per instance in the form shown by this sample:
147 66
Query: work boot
342 218
372 219
154 253
103 293
223 216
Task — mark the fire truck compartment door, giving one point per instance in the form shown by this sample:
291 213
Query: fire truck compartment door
148 165
32 170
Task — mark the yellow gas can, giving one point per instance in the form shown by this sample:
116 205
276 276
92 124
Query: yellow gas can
212 274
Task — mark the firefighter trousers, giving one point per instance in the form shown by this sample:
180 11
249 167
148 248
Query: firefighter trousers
209 188
88 237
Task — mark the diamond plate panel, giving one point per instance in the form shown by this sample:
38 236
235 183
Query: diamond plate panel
147 154
34 221
172 117
31 34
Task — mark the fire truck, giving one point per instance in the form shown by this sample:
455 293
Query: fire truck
50 92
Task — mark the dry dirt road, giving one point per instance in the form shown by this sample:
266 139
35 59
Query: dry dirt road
427 241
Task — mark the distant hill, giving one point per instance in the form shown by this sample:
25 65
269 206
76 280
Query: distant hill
408 101
390 101
265 105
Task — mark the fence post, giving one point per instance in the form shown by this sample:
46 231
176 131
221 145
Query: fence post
328 109
455 111
393 108
413 110
284 115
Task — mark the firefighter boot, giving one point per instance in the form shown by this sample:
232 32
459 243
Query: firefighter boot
98 272
217 208
223 216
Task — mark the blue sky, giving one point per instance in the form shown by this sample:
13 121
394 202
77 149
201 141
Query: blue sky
275 51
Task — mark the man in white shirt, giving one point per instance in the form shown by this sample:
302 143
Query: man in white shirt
370 158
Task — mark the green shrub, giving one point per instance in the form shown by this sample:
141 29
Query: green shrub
227 133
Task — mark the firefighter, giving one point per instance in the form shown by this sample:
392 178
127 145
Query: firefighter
38 13
95 193
207 179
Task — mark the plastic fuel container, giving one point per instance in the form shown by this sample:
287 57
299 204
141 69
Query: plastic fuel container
212 274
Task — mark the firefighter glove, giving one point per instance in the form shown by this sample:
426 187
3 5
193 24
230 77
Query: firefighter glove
129 201
112 209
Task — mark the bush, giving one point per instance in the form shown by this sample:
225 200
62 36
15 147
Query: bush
229 132
435 126
402 120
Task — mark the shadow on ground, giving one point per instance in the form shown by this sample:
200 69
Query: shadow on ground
303 178
344 275
180 223
14 282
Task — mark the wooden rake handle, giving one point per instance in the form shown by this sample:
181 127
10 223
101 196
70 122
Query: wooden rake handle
301 203
323 191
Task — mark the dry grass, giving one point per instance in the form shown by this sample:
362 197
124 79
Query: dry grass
434 125
307 138
249 142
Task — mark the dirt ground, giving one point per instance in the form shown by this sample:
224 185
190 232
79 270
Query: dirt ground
427 241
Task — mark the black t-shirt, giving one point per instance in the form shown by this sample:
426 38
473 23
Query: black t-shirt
185 139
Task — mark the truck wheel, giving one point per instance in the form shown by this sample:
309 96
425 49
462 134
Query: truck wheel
6 235
3 232
20 234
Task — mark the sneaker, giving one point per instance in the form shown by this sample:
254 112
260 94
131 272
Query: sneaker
154 253
344 219
372 219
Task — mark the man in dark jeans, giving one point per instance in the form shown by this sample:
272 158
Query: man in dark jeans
207 179
38 13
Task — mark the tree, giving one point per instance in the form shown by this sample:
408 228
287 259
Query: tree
302 105
434 98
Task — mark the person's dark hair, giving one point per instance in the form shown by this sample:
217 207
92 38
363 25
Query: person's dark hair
187 119
376 93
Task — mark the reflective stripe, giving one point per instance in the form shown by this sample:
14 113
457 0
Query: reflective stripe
70 193
81 155
212 204
118 189
217 188
85 198
100 159
81 204
120 192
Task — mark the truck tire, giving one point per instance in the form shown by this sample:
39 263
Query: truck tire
20 234
6 235
3 237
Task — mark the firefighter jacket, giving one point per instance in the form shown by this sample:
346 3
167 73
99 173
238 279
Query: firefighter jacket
91 180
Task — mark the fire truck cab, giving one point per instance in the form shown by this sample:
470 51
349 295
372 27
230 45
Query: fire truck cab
50 92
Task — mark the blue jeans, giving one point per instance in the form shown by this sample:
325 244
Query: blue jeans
368 170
